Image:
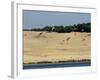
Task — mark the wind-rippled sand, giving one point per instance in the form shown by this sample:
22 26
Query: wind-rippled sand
51 46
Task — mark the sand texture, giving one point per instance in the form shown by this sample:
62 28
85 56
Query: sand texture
52 46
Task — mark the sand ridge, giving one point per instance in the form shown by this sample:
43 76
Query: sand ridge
52 46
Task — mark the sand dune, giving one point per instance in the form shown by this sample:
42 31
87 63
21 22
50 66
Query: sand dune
51 46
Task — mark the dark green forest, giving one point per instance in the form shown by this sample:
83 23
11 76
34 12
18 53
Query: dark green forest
84 27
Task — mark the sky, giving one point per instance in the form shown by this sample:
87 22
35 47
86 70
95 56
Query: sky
40 19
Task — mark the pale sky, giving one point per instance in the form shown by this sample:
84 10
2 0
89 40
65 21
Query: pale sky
39 19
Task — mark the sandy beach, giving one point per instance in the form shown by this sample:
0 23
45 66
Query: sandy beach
52 46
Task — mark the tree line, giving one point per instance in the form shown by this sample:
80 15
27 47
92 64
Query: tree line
83 27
